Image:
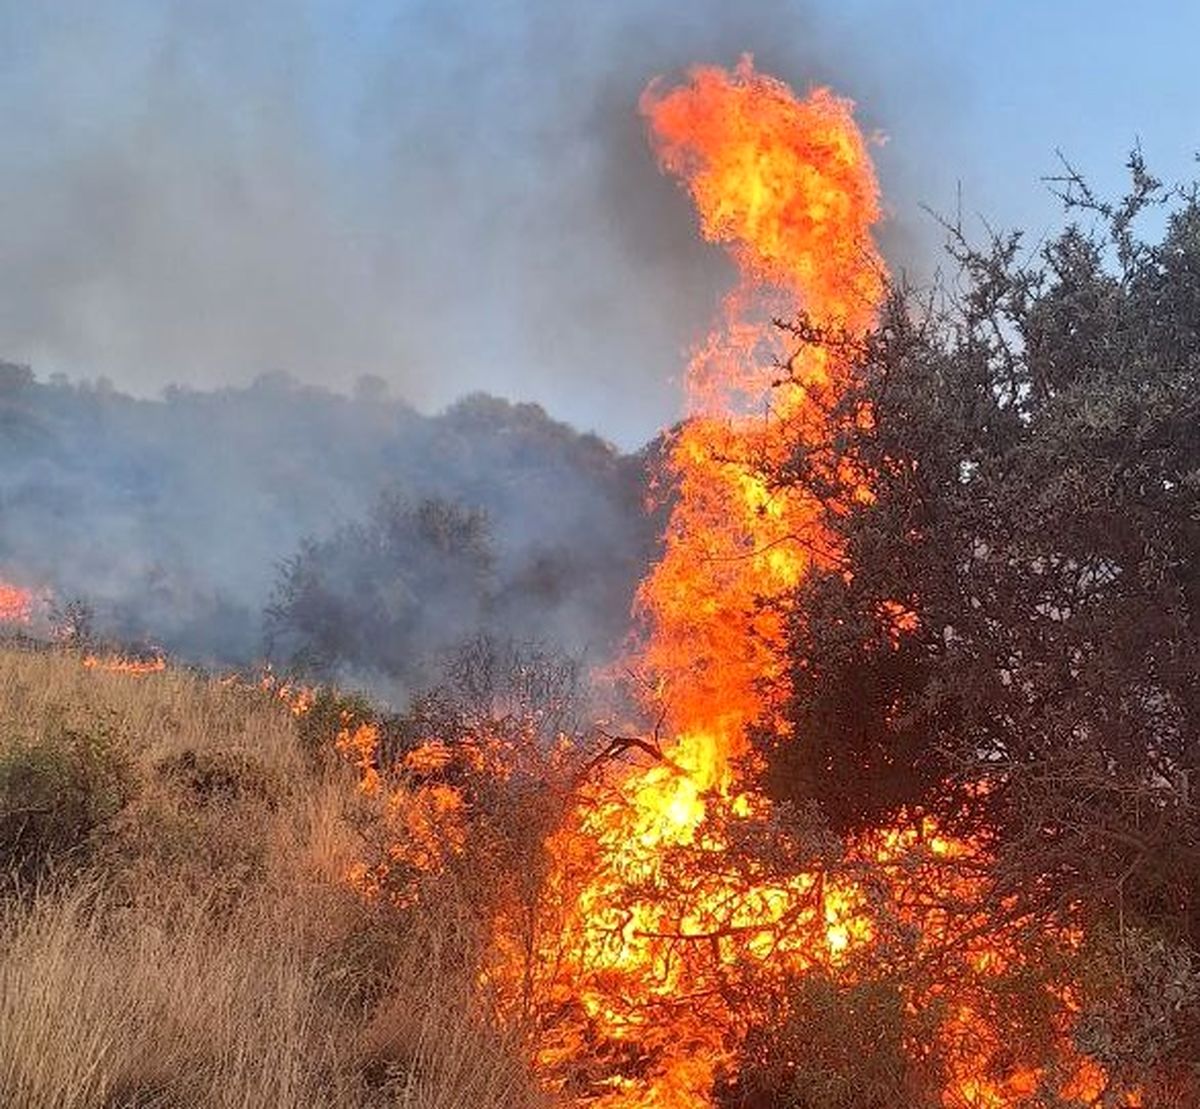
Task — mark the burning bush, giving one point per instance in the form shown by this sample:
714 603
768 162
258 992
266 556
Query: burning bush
465 788
1031 446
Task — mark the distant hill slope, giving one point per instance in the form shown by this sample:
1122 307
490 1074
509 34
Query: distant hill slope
171 517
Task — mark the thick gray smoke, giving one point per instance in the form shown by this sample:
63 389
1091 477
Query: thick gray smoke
454 196
451 194
178 521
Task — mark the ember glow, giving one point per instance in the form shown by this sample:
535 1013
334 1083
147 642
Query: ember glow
661 940
297 696
124 664
16 604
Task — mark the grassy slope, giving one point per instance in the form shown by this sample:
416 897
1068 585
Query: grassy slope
192 942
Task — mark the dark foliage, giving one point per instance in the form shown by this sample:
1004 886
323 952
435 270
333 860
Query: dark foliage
1018 641
826 1046
170 517
384 595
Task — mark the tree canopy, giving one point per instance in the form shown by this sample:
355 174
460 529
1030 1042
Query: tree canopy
1009 636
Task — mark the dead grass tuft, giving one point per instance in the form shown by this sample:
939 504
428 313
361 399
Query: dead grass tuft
209 952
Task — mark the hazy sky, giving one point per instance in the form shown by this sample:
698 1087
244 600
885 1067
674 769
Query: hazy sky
457 195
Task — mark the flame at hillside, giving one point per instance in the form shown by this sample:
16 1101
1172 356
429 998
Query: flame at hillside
125 664
675 912
789 187
21 607
16 604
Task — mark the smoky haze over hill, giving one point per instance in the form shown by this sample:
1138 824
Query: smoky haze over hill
454 196
178 519
457 197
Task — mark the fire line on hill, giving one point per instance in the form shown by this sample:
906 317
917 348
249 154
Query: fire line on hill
16 604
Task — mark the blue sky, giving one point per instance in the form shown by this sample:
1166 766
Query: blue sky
457 195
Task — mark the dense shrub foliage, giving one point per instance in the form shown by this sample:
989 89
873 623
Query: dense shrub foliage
1009 632
56 790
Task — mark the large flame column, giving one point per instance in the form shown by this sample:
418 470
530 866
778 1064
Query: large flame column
655 923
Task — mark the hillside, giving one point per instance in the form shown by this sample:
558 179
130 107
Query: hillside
177 929
171 517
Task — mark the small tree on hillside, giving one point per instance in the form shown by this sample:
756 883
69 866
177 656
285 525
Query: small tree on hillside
383 596
1013 640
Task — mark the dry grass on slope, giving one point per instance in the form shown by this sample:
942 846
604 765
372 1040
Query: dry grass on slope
185 938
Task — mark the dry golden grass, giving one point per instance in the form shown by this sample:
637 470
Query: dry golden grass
160 713
205 950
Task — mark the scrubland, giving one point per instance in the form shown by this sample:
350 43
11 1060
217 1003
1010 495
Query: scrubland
175 924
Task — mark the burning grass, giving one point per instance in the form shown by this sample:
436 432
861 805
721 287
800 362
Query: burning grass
199 942
193 941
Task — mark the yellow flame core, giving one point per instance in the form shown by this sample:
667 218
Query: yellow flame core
121 664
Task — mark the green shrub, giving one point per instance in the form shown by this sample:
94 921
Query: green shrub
209 778
201 822
1141 1013
55 791
330 712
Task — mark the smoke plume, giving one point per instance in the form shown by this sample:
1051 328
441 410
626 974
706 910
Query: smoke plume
452 195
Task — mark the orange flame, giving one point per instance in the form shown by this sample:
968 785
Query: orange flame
16 604
658 939
299 698
663 938
122 664
788 186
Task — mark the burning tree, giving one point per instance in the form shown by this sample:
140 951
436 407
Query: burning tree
1033 448
664 933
